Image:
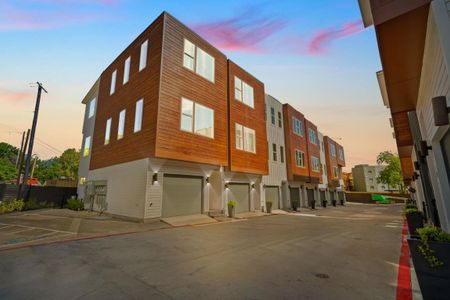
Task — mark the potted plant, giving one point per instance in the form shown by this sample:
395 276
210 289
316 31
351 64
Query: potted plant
324 203
431 258
342 202
313 204
231 208
269 206
414 219
334 202
294 205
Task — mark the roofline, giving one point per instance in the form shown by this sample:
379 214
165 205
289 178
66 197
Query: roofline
366 12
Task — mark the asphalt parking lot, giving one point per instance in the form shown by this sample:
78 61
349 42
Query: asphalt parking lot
346 252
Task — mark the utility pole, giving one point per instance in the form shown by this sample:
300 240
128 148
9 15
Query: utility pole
34 166
21 159
20 151
33 131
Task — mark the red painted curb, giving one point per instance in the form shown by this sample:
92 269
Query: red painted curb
404 291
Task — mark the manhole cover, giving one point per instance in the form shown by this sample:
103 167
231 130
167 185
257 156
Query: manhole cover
322 275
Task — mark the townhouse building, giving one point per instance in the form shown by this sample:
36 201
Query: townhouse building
324 194
275 183
365 178
335 160
178 129
414 45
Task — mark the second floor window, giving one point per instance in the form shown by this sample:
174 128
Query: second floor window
315 164
297 126
108 131
335 171
92 108
282 154
87 146
312 136
113 82
197 60
333 150
272 115
197 118
243 92
274 152
245 138
138 115
121 127
299 158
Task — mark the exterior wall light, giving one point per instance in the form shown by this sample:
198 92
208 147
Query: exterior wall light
440 111
226 185
155 178
424 148
207 179
253 186
416 165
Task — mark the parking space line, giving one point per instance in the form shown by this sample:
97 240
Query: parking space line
34 227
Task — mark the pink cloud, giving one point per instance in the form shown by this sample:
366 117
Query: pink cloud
15 96
245 32
322 39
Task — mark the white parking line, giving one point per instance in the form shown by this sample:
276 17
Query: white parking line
34 227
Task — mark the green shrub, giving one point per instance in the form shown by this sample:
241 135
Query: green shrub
232 203
412 210
32 204
410 205
75 204
10 206
431 233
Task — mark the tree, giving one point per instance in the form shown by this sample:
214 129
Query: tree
8 152
8 156
392 171
54 168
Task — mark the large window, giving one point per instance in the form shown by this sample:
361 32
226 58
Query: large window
113 82
197 118
87 146
121 127
126 70
92 108
138 115
243 92
315 164
143 56
341 154
274 152
312 136
333 150
299 158
282 154
245 138
297 126
108 131
272 115
197 60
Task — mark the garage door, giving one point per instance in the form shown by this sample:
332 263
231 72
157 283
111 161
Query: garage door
332 196
182 195
310 193
341 195
322 196
241 194
295 195
272 195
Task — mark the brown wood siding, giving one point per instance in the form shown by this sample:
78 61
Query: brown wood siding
293 142
144 84
177 82
254 118
331 161
313 150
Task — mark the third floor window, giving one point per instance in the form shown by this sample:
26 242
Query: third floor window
297 126
243 92
197 60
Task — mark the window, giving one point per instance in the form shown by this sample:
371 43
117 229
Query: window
237 88
333 150
87 146
282 154
113 82
197 118
280 120
204 121
341 154
126 70
239 137
312 136
324 169
107 131
92 108
315 164
143 56
245 138
335 171
82 180
274 152
121 128
297 126
138 115
197 60
299 158
272 115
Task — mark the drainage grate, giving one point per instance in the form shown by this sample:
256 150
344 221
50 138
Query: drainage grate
322 275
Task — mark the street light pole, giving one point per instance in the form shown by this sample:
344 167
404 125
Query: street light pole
33 132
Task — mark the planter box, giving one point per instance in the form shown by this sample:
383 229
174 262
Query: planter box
414 221
434 282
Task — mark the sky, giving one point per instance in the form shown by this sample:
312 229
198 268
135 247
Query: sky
315 55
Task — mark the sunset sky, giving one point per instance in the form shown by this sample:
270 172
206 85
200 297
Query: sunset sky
316 55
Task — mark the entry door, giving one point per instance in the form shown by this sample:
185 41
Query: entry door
295 195
310 193
272 195
182 195
241 194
